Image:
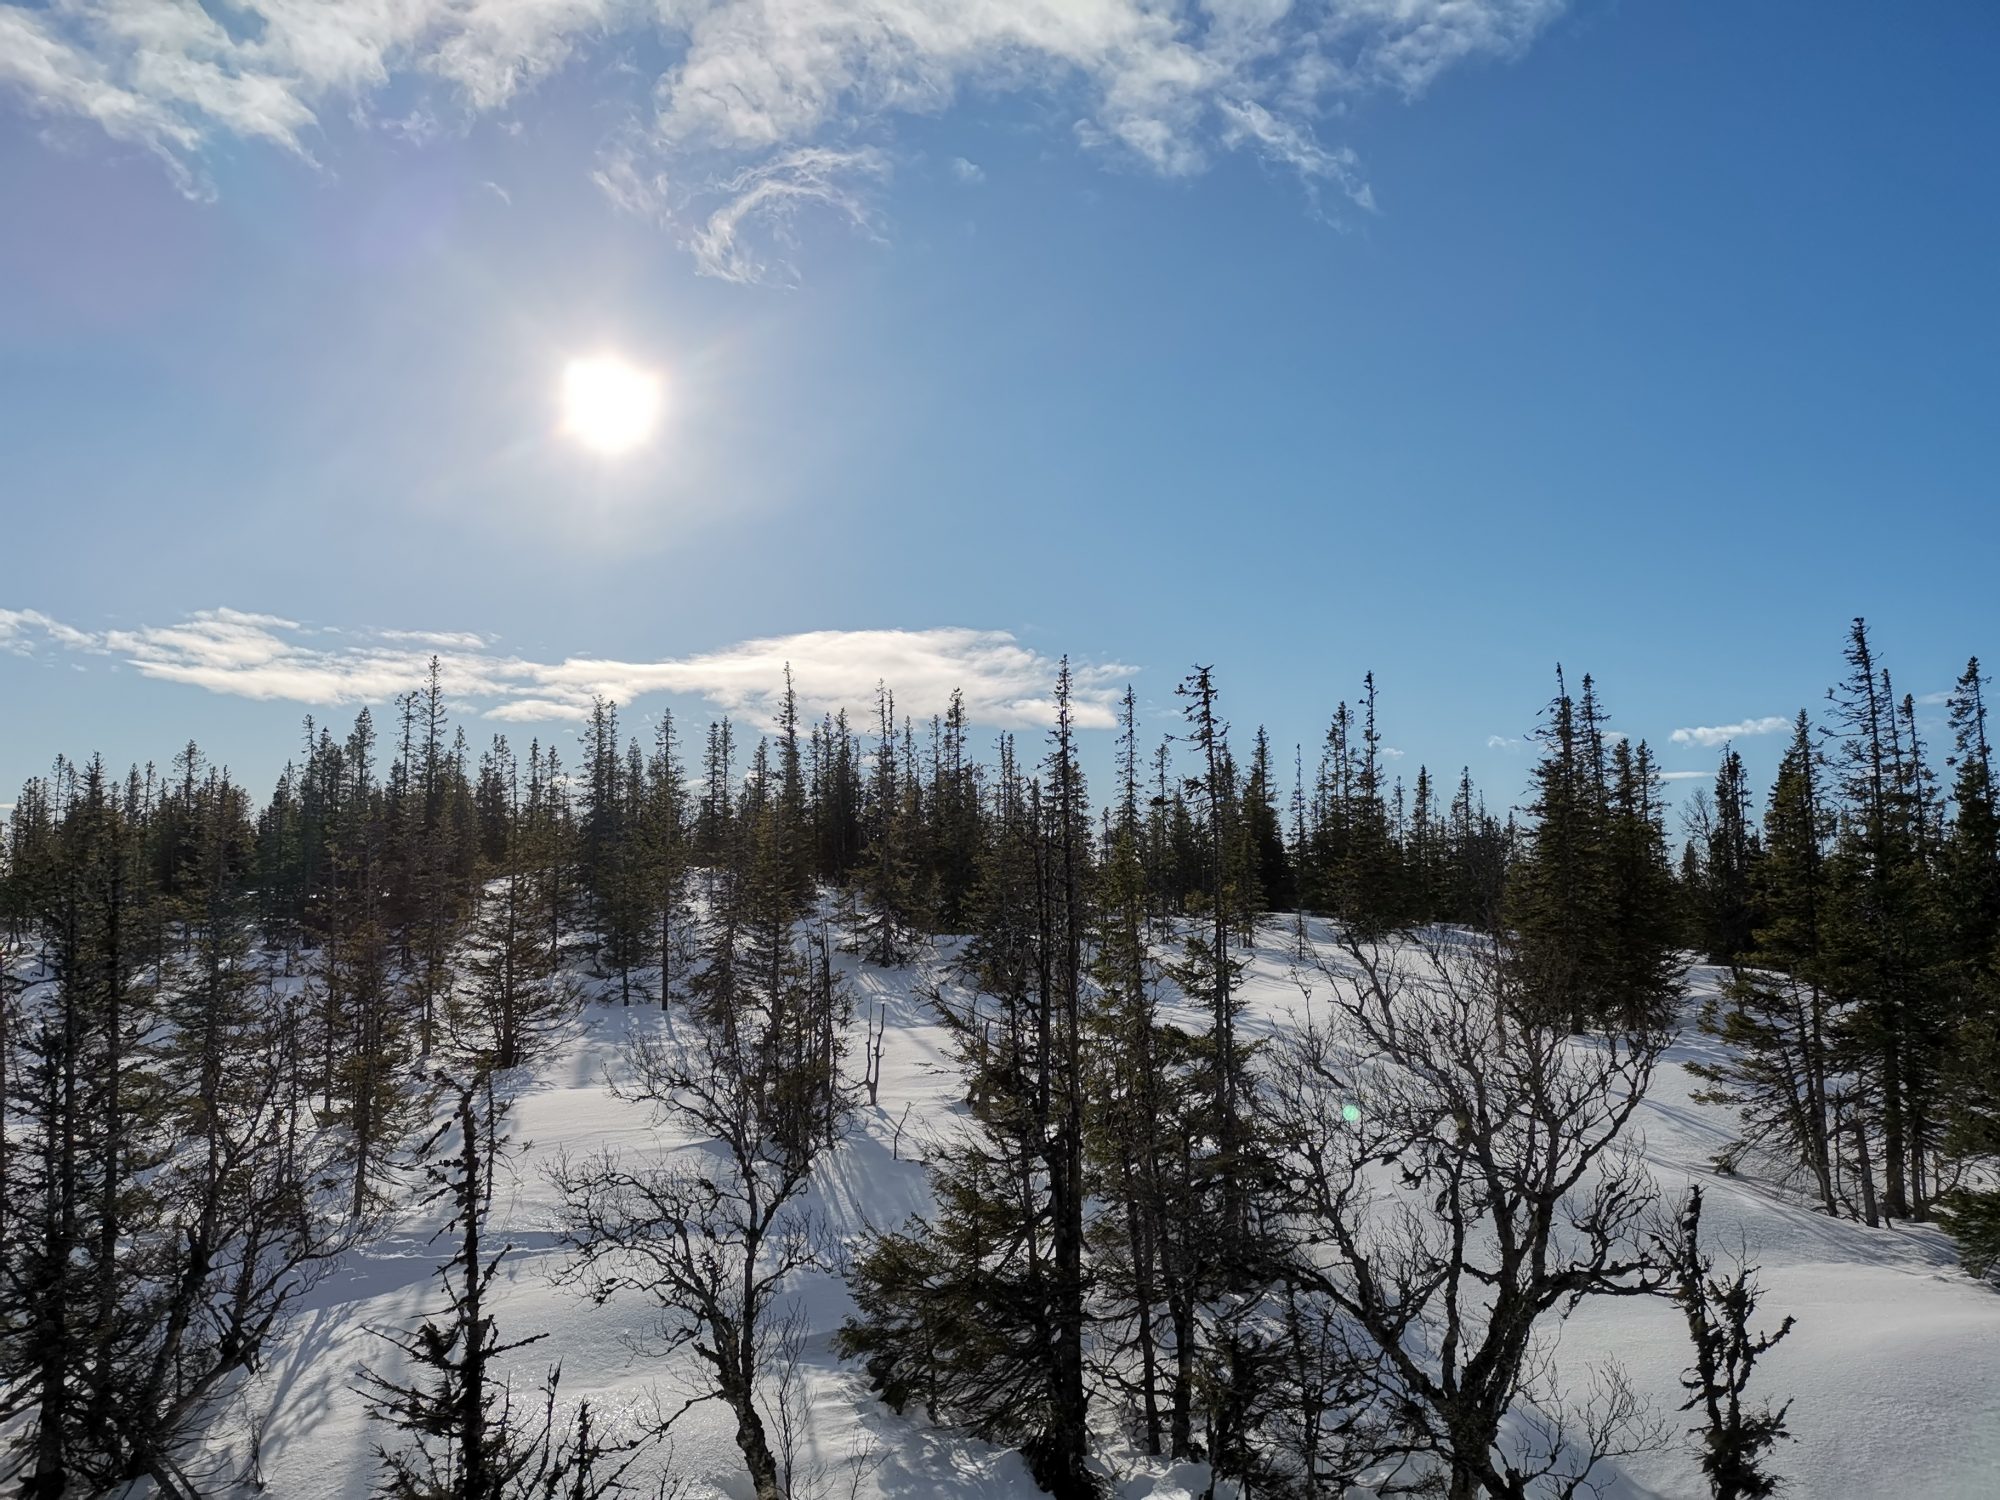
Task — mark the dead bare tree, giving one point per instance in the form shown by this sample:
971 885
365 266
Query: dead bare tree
1461 1178
878 1026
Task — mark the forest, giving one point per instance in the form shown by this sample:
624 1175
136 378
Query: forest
242 1037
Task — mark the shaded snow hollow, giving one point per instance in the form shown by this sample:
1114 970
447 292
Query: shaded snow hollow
1893 1369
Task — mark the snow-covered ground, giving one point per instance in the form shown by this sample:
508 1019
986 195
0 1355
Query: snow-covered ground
1893 1369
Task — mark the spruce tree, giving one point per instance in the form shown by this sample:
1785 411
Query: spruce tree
664 836
514 998
887 873
1641 984
435 855
465 1436
715 822
978 1310
250 1216
1559 892
1209 972
1425 859
1269 874
1216 1254
1367 881
956 804
1971 881
1735 1443
75 1298
1126 1095
1883 935
365 1030
1477 851
1061 1459
1777 1015
1727 919
790 822
1972 853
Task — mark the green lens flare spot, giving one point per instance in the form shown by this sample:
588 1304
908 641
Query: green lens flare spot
1351 1113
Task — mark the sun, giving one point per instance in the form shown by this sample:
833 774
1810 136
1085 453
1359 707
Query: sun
610 405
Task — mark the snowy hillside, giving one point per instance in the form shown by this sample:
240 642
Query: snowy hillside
1894 1368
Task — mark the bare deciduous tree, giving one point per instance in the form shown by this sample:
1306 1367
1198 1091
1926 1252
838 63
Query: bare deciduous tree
1461 1178
713 1233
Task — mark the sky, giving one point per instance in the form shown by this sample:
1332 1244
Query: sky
1447 339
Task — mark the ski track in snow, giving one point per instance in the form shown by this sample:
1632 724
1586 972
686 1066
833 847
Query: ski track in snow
1893 1368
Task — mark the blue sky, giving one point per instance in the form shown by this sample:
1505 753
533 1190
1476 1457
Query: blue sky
1447 338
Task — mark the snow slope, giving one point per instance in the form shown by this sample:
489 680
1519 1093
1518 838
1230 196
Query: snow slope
1894 1368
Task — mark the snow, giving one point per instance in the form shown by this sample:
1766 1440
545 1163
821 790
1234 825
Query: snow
1893 1369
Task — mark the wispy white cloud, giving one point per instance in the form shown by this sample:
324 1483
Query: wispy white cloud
58 79
1685 775
1712 735
740 94
749 236
1290 143
441 640
21 628
1504 742
968 172
272 658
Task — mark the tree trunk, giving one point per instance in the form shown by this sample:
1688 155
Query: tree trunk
1865 1170
756 1448
1142 1294
1822 1146
1895 1197
1180 1420
666 954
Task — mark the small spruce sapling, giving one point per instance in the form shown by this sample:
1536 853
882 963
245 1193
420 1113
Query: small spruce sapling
1735 1441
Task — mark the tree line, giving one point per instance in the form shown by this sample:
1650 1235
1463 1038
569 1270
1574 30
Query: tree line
1860 923
232 1036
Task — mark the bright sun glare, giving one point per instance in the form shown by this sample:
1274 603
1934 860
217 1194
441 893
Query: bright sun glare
608 405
